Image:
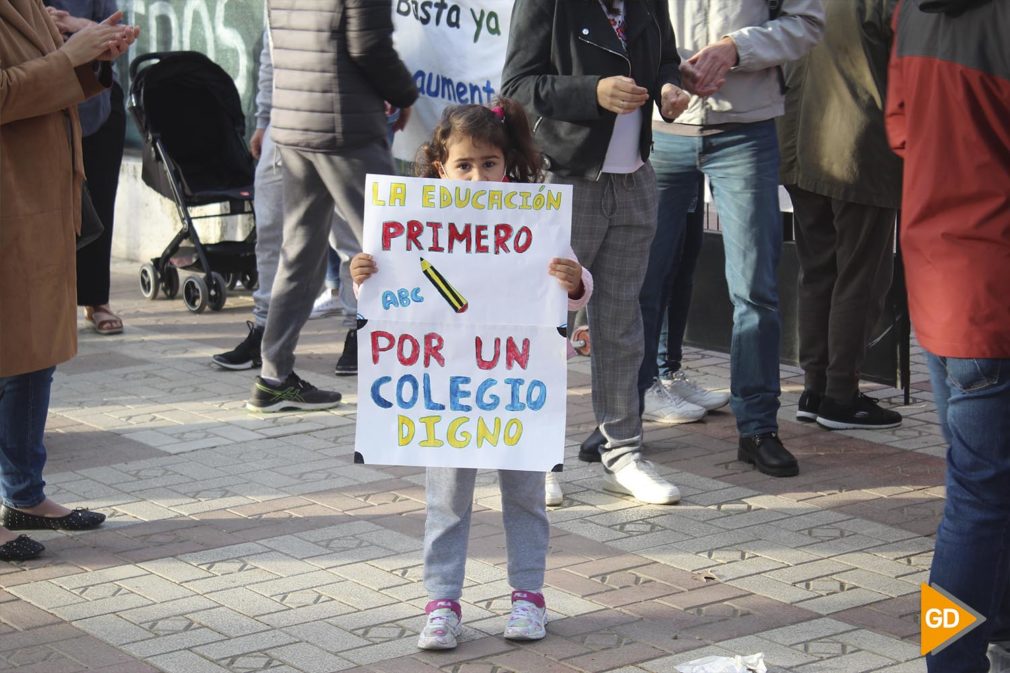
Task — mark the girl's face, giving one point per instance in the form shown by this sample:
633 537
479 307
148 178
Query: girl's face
470 160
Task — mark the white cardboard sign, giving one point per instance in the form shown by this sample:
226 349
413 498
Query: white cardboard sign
461 346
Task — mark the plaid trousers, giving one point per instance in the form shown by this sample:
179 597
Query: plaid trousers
613 222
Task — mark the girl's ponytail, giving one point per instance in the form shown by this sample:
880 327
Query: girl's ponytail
522 158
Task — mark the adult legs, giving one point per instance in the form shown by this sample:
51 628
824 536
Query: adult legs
313 184
865 244
24 404
971 560
103 155
675 161
844 251
679 304
269 206
742 166
615 218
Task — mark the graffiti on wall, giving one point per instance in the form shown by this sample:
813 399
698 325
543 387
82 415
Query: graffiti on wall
230 32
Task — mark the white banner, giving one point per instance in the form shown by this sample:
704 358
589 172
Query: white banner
461 347
455 51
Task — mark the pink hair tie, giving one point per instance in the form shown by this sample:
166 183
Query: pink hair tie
499 112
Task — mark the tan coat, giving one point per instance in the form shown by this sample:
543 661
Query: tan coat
40 175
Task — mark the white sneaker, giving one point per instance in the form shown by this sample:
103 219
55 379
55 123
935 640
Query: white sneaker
553 495
326 304
442 627
640 480
663 406
679 385
528 619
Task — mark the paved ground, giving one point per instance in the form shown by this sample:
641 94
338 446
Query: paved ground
239 543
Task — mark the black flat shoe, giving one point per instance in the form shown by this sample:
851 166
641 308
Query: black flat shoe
79 519
766 453
22 548
589 451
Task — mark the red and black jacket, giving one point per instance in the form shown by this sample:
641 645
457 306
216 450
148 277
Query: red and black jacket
948 115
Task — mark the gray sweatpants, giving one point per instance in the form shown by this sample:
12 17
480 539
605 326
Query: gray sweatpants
447 529
269 206
613 222
314 184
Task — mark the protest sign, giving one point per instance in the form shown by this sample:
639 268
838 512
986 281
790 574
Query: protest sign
461 355
455 51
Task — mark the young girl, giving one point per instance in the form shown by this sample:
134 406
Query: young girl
473 142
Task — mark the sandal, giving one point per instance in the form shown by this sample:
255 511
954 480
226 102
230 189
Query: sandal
105 321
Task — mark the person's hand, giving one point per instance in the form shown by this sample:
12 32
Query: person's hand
256 143
66 23
362 267
620 94
127 37
705 72
103 41
568 272
401 122
674 101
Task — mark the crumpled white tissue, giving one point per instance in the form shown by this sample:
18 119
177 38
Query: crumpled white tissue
753 663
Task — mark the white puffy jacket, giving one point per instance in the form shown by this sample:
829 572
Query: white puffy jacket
752 91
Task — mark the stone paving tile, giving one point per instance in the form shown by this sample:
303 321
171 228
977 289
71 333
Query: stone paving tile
240 542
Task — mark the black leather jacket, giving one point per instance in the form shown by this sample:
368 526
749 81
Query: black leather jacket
559 50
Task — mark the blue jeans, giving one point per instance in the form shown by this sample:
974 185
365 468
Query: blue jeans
742 166
669 279
24 404
332 269
972 556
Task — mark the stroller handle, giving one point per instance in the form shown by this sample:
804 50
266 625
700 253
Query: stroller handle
143 58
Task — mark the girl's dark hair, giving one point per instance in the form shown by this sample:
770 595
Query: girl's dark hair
503 125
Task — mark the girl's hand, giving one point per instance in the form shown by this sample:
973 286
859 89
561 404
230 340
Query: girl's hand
620 94
362 267
569 274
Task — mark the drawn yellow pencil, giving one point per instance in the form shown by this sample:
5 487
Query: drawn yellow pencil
456 301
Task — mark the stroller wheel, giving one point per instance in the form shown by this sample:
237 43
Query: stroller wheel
217 292
170 281
194 294
149 281
232 279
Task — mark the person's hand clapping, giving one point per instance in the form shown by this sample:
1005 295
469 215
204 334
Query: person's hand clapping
674 101
362 267
569 274
66 23
105 41
620 94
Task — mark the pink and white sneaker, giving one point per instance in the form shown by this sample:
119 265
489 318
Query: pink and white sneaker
528 618
442 627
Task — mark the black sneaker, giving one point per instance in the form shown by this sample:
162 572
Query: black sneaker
862 413
246 355
810 402
589 451
292 394
347 365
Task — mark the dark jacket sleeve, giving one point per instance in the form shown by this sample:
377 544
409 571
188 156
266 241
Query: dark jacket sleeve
527 75
369 33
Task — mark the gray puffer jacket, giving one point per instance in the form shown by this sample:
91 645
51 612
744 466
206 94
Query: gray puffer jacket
334 65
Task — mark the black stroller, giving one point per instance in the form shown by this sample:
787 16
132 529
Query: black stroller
190 116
